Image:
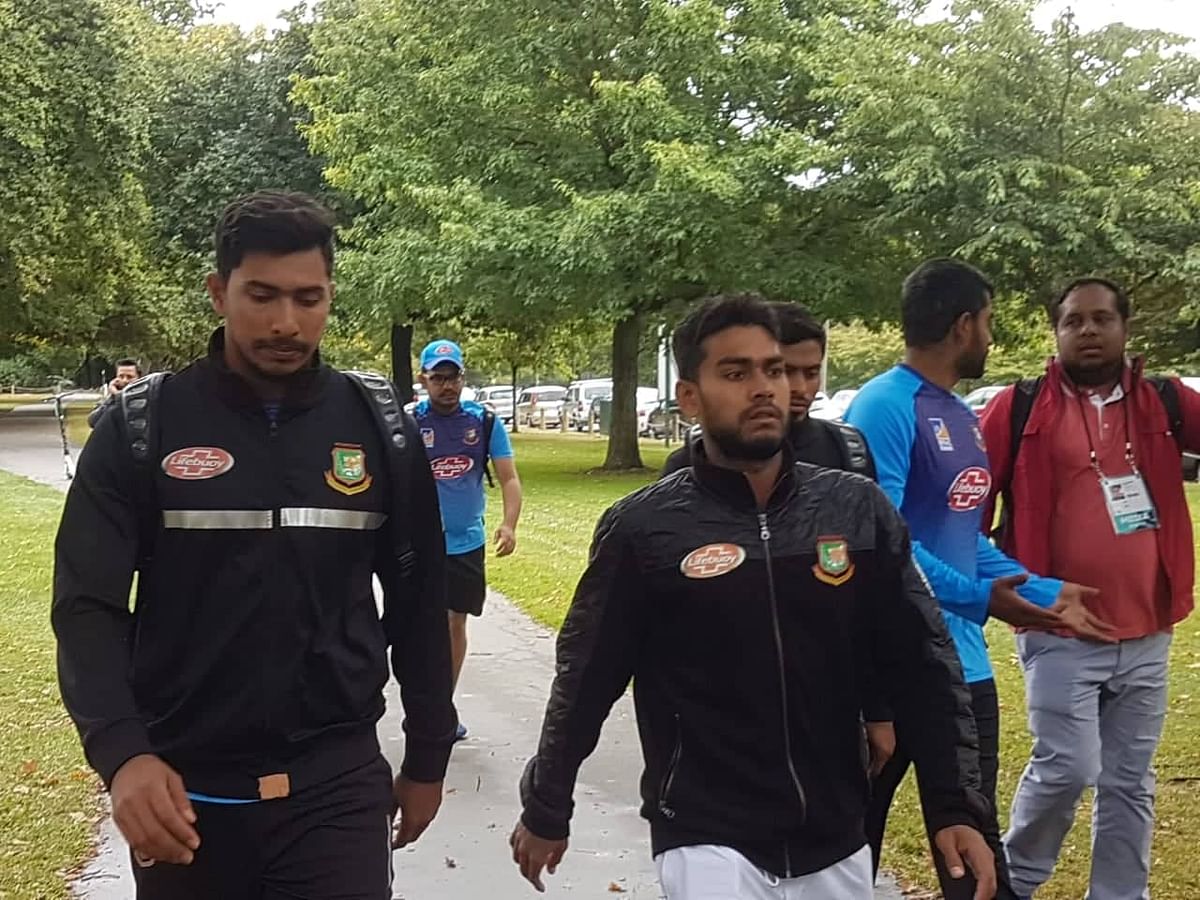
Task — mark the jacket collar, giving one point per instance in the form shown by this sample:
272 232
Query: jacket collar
733 488
301 391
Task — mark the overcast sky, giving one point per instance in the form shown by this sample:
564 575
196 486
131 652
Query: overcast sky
1182 16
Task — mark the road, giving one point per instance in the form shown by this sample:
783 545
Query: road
501 699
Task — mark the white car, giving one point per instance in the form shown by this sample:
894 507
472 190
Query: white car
541 405
580 397
979 398
499 399
821 408
647 402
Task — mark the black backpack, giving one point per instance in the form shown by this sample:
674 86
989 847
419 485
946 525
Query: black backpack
139 401
1027 390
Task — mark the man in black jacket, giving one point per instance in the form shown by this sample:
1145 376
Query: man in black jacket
746 596
833 445
232 713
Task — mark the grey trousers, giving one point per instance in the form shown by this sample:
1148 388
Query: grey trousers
1096 712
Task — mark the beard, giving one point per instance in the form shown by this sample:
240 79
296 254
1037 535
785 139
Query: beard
735 447
1106 372
971 365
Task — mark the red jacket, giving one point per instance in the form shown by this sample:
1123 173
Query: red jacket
1030 479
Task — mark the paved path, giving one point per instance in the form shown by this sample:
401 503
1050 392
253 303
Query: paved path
501 699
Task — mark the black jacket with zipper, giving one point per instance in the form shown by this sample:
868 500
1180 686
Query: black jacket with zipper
255 646
748 683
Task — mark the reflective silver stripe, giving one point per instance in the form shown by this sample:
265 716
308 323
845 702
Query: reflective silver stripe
232 519
320 517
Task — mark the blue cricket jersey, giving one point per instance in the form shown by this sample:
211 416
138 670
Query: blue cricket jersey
933 465
454 444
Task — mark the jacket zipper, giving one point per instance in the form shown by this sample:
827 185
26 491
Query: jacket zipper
764 534
672 767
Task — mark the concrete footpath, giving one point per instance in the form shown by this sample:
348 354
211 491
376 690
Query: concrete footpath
501 699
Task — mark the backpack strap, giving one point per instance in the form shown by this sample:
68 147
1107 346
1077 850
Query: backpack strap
1024 393
389 416
1168 393
139 418
856 457
489 425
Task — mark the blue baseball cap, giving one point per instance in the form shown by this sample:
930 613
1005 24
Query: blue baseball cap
440 352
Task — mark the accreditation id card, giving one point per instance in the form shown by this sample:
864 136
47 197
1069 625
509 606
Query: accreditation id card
1130 506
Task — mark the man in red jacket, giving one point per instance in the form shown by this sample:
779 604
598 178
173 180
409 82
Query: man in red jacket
1093 493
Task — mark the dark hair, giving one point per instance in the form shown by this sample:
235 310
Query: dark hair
797 324
275 222
128 361
713 315
1123 306
935 294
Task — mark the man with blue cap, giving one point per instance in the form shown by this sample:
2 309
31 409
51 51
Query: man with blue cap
460 437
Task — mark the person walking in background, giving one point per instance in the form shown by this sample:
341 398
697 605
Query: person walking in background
460 438
1087 461
930 456
128 370
233 712
747 596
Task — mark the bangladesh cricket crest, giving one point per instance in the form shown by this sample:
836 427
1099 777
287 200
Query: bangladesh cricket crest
348 474
834 565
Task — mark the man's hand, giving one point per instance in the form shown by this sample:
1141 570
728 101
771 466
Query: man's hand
1075 615
151 808
532 854
881 739
417 803
1008 606
962 846
506 540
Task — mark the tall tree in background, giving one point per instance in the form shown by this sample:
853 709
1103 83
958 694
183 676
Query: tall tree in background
72 133
610 157
1037 155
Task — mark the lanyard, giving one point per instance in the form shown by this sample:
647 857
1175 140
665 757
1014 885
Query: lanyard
1130 458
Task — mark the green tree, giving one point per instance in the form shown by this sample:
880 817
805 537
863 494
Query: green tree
72 132
1037 155
607 157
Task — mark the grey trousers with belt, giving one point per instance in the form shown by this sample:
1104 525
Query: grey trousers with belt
1096 712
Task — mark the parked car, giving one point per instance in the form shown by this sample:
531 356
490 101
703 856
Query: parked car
499 399
580 400
660 420
979 398
840 402
647 402
541 405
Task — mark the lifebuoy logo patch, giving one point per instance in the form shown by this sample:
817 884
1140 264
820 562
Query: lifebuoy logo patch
197 463
834 565
447 468
712 560
969 489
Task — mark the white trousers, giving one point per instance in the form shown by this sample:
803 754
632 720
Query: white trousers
709 872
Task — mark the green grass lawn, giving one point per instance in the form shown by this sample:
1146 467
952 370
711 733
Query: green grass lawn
48 797
562 505
49 802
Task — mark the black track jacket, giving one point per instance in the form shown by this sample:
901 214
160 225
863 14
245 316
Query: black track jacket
255 647
747 635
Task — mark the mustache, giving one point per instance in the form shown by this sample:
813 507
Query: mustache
284 345
757 408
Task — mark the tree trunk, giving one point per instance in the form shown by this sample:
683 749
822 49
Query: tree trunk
402 370
623 449
515 424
